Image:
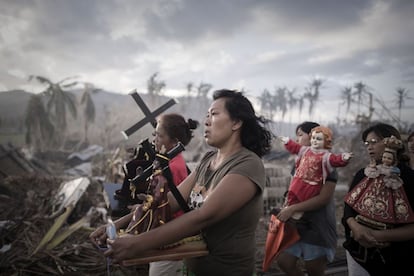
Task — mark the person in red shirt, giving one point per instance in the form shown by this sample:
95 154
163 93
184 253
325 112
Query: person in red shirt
171 129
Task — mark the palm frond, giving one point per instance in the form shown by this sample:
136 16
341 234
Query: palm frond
40 79
55 227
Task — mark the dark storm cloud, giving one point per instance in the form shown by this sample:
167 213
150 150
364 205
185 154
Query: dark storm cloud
221 42
403 7
317 15
65 21
195 19
191 20
72 29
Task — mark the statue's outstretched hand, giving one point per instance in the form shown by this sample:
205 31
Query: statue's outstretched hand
284 139
347 156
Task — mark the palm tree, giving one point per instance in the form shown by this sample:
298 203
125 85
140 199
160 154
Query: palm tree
361 89
280 100
154 86
189 87
292 100
89 109
401 96
58 101
346 95
301 102
312 93
203 89
265 103
39 129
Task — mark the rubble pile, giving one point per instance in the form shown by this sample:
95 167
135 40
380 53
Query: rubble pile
36 241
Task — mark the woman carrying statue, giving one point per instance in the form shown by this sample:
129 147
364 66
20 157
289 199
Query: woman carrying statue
378 214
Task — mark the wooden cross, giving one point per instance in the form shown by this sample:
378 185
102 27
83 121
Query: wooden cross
150 117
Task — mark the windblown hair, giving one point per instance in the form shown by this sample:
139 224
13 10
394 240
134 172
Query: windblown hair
177 128
254 135
382 130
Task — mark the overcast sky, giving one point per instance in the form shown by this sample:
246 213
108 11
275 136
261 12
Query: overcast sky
241 44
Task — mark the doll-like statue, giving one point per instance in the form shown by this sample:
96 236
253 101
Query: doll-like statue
380 198
312 166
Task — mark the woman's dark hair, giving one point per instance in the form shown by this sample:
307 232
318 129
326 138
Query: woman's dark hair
254 136
410 135
306 127
384 130
177 128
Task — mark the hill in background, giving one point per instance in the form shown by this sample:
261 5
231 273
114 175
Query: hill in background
114 113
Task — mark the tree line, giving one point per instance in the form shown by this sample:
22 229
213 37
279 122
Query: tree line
358 100
47 112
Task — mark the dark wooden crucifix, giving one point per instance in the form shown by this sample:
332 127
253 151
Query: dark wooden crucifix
150 117
121 198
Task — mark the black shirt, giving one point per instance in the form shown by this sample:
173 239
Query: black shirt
398 255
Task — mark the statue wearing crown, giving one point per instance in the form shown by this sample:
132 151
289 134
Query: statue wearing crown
380 198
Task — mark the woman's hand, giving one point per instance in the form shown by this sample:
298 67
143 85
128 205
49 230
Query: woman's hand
122 248
364 235
286 213
98 237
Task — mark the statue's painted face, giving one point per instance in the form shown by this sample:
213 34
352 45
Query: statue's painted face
317 140
387 158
